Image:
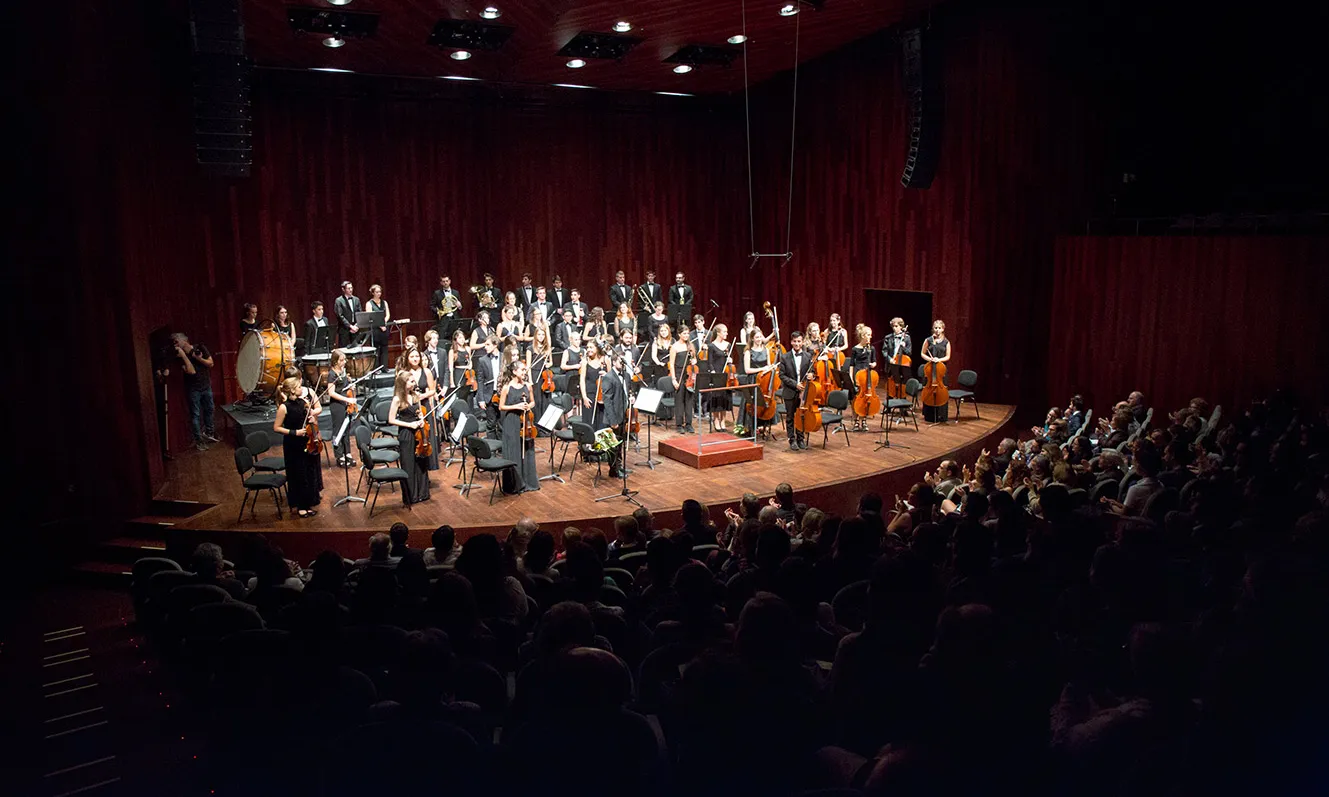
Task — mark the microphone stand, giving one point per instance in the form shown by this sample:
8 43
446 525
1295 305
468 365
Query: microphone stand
628 495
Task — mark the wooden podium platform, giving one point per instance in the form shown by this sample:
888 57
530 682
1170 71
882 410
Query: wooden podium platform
721 449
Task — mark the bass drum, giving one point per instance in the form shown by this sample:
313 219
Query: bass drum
263 358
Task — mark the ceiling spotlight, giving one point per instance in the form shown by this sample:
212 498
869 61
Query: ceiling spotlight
334 41
622 26
339 2
739 39
460 55
788 10
576 63
683 69
491 12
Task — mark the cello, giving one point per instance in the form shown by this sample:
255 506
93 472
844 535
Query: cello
934 396
807 418
866 403
896 389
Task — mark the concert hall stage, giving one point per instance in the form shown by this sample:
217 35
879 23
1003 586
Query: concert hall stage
832 478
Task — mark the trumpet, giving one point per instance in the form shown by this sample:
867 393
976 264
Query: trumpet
450 305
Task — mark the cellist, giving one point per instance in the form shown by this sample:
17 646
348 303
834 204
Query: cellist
756 361
937 349
795 366
861 358
896 345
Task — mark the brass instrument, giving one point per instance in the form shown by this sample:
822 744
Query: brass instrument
485 295
450 305
646 304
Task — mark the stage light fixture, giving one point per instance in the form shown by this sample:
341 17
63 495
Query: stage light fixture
339 2
334 42
738 39
683 69
457 77
573 86
491 12
622 26
576 63
674 93
460 55
328 69
788 9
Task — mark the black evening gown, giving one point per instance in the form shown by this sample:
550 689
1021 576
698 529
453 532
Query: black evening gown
304 472
417 468
421 386
683 398
378 338
523 477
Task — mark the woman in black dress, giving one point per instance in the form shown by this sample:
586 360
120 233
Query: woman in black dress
426 390
721 401
282 323
861 358
756 361
624 321
304 477
378 336
340 402
681 354
588 381
570 364
515 398
540 358
405 414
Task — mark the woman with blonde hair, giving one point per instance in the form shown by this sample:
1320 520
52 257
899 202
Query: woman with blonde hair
304 477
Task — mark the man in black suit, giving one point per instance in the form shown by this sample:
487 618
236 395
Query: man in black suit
577 306
614 414
794 367
653 293
619 293
318 337
564 324
541 303
680 301
487 373
489 296
558 295
346 306
447 322
526 294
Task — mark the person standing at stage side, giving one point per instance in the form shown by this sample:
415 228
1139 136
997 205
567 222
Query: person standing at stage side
406 414
937 349
378 336
680 301
515 398
318 339
196 363
620 292
681 355
249 319
794 368
345 308
304 476
445 298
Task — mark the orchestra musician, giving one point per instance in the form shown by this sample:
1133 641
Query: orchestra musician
488 370
509 326
596 326
558 296
426 389
378 336
482 332
620 292
459 361
541 305
339 383
488 294
649 293
744 337
655 320
562 328
624 320
540 356
446 303
282 323
407 414
434 359
578 307
514 400
893 347
304 477
526 293
249 320
614 412
837 342
318 339
592 365
937 349
681 355
345 308
570 361
756 361
861 358
721 401
795 366
657 359
680 300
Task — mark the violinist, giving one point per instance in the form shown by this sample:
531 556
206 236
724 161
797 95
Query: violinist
657 358
896 345
595 326
861 358
614 389
718 357
795 367
304 476
539 358
459 360
340 401
406 414
588 377
482 331
570 364
698 335
427 390
516 405
682 359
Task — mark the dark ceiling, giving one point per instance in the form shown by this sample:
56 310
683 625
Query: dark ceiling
400 46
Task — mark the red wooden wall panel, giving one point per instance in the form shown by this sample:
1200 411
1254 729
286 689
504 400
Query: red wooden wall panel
1227 318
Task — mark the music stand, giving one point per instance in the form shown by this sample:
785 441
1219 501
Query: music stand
549 422
458 433
648 403
345 464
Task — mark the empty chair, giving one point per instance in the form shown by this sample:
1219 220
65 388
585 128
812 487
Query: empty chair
484 460
254 483
379 416
837 401
967 380
902 408
665 384
258 444
143 571
584 438
370 456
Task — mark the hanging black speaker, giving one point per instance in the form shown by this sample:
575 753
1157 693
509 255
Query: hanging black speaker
223 124
922 91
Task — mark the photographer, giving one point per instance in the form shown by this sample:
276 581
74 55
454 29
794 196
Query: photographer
196 362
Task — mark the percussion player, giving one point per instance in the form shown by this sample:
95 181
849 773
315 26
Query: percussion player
197 364
317 334
249 321
346 306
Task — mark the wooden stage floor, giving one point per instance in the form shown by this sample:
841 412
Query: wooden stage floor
832 478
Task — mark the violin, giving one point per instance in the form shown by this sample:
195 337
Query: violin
469 377
866 403
351 406
424 445
691 371
934 394
528 427
313 440
730 372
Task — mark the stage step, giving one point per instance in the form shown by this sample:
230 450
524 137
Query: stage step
170 508
129 549
104 574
